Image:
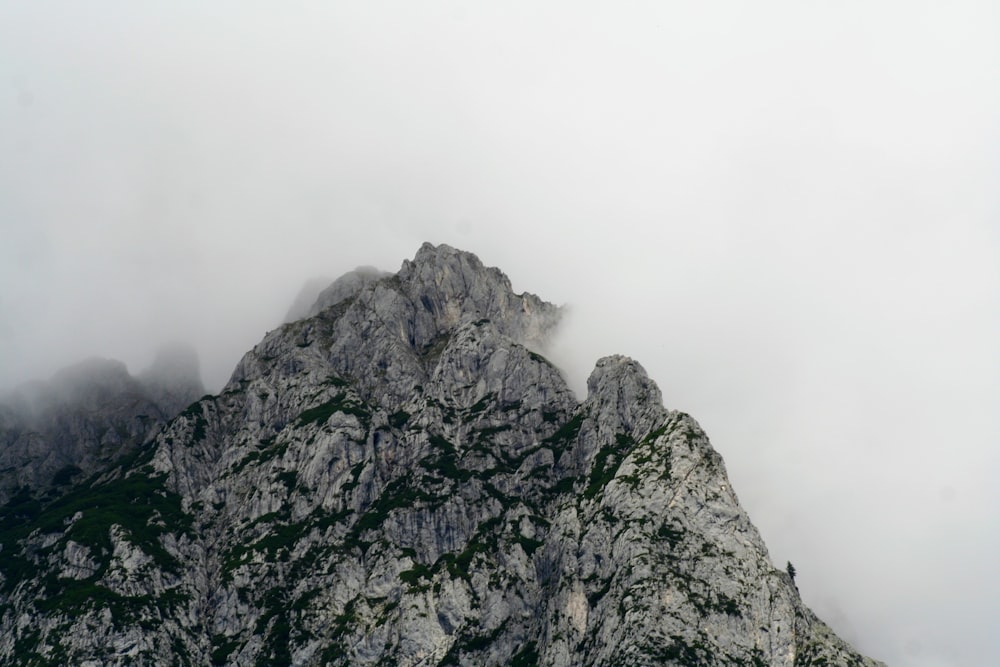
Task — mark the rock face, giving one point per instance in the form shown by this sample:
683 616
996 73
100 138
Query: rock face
401 478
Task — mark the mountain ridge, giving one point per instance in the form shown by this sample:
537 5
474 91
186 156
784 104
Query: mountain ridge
403 478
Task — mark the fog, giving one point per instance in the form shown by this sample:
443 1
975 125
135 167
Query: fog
786 211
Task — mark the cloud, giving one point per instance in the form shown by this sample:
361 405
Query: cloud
786 212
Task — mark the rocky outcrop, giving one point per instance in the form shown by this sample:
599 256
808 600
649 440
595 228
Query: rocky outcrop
402 478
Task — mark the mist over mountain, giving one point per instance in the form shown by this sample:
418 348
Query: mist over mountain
88 416
305 299
786 211
174 378
399 477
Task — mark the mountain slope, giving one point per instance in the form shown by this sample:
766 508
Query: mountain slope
401 479
87 417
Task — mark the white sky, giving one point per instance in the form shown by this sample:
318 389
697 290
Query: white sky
788 212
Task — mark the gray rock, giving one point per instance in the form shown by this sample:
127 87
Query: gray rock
403 478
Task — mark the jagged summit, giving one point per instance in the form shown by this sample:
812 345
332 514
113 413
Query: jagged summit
402 478
399 323
621 384
455 287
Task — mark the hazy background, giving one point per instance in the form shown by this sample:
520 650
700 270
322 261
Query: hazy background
788 212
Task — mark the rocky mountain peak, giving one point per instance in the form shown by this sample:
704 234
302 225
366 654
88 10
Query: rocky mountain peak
386 331
454 286
400 478
620 388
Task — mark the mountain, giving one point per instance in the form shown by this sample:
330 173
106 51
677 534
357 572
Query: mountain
87 417
402 478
